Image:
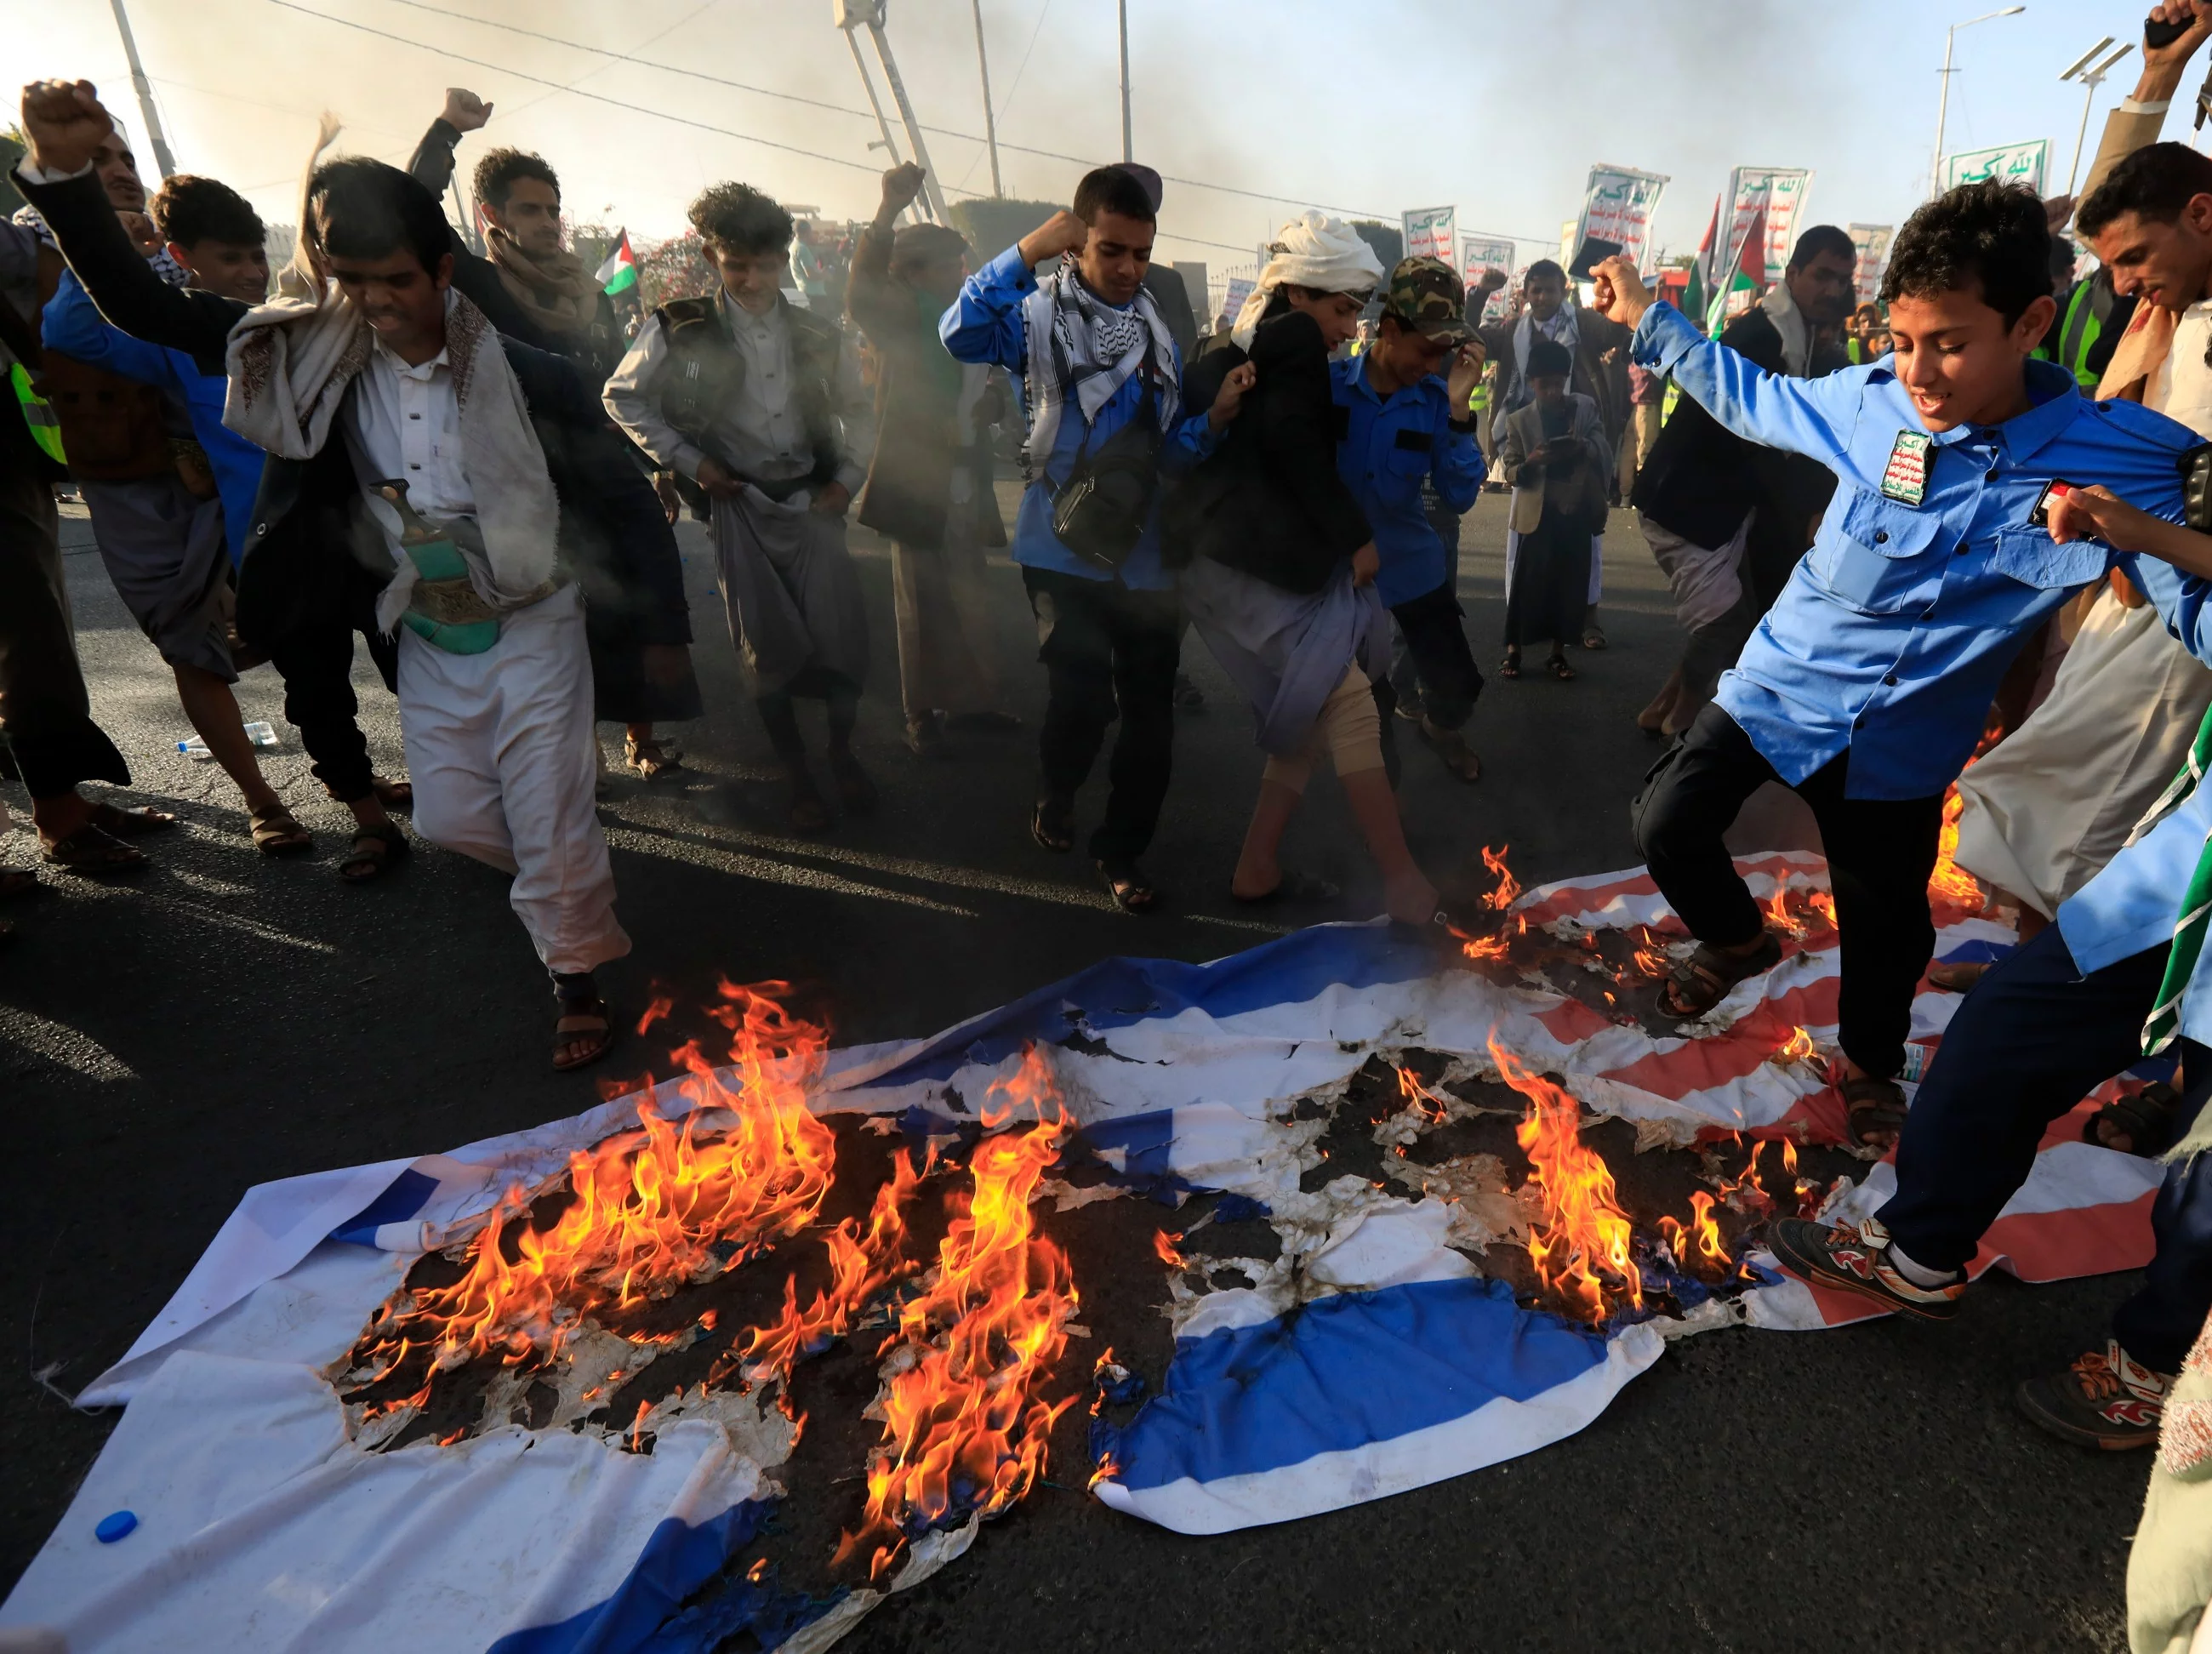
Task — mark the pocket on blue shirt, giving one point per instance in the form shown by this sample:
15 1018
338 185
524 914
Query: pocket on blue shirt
1871 558
2031 556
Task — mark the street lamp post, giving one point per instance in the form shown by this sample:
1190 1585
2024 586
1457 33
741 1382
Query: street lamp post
1943 103
2090 69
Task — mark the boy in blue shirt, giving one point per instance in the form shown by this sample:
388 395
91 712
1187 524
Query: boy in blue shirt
1404 424
1865 687
216 238
1093 355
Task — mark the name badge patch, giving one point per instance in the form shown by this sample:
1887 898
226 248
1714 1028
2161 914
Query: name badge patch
1906 478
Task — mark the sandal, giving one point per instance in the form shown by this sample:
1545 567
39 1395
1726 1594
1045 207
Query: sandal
855 790
1131 890
652 759
1291 886
91 851
583 1017
391 794
364 865
1558 666
1052 824
130 824
276 832
1702 981
1451 746
1593 636
2146 1119
1872 1105
1512 666
1957 976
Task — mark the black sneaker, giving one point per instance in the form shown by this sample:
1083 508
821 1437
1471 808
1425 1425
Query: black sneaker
2107 1398
1854 1258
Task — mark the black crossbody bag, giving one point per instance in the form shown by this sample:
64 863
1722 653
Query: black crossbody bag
1099 512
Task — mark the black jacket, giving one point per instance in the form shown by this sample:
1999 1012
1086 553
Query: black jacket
312 550
1702 478
1269 500
597 351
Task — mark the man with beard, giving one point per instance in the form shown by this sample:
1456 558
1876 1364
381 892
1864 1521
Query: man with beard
537 290
1727 519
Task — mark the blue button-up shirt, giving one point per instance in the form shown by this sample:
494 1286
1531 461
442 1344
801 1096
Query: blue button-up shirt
1891 632
2135 901
985 325
1389 447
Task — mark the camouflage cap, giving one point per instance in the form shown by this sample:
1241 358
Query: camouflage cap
1427 296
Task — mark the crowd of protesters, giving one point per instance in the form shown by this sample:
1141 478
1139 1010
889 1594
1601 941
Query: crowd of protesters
1901 537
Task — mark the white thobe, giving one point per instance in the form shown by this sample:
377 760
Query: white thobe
500 746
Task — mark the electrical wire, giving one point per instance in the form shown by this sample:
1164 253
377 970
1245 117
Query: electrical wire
641 109
843 109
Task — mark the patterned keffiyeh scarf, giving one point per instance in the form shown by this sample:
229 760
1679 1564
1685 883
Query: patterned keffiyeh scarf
1080 346
2165 1021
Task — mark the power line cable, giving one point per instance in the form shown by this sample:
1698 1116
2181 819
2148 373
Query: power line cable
846 109
641 109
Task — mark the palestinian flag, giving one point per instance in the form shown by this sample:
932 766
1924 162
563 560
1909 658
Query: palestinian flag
1698 294
619 273
1748 276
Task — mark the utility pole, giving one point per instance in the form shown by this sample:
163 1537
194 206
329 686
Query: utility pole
889 146
2092 75
1943 103
164 162
1128 154
990 121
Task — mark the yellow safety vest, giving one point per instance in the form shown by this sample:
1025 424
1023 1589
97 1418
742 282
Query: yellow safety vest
38 414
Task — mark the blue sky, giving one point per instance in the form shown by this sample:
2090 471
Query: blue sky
1377 106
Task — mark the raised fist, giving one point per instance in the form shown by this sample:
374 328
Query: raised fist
64 123
464 110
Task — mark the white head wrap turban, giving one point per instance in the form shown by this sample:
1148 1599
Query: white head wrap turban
1313 251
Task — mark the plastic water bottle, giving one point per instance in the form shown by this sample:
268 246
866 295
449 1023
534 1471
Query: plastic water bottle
261 733
195 749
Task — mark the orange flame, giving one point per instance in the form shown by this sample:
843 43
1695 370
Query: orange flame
1420 1099
650 1209
1165 1248
1696 1249
1508 889
1778 911
1581 1245
660 1007
862 1264
1798 1048
962 1439
1950 883
1650 957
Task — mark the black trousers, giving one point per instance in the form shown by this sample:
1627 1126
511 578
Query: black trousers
1108 651
1438 666
315 659
47 737
2033 1039
1880 854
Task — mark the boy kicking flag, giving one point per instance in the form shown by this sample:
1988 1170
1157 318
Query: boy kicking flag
1865 687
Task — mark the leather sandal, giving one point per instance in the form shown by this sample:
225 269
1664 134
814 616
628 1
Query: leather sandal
90 851
583 1017
365 865
2146 1118
276 831
652 759
1052 824
131 823
1872 1105
1702 981
1131 890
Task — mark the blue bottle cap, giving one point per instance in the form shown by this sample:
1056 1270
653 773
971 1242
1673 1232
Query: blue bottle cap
115 1526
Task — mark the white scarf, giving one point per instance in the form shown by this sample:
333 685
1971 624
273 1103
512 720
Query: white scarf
290 361
1789 322
1316 252
1078 342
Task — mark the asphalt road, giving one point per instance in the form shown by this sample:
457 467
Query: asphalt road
220 1021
